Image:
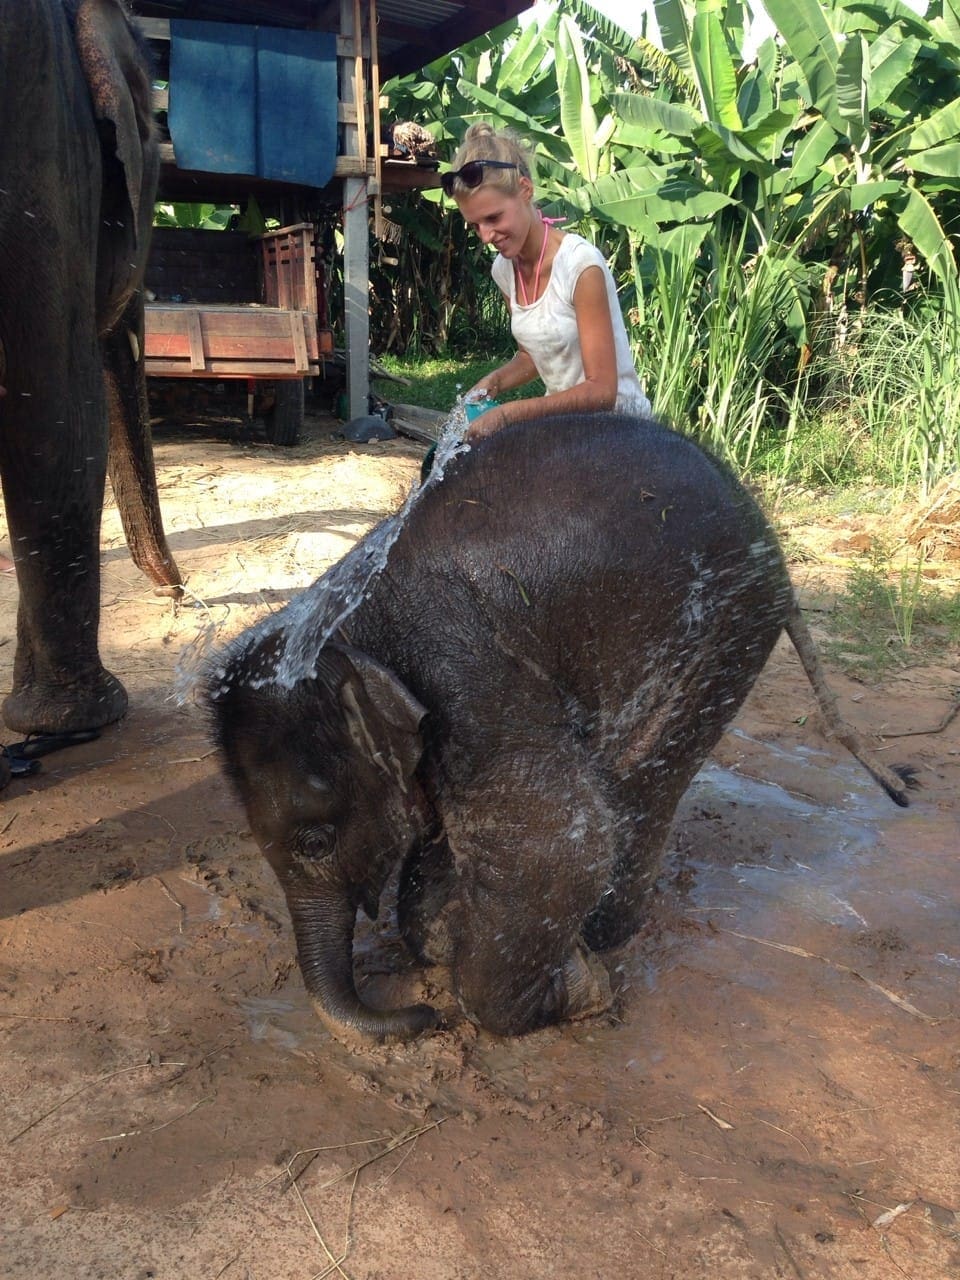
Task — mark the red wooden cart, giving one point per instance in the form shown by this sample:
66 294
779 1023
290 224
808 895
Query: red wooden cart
227 305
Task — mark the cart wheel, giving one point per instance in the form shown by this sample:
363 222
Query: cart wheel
284 421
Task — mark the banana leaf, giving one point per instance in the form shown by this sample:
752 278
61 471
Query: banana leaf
577 116
807 34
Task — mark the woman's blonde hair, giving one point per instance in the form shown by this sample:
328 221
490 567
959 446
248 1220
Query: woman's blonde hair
483 142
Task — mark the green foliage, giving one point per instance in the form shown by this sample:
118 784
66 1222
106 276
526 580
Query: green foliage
209 217
895 381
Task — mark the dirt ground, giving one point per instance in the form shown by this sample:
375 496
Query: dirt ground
776 1095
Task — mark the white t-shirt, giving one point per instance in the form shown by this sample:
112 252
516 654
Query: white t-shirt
547 328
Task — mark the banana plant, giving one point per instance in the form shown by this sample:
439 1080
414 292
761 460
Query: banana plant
861 80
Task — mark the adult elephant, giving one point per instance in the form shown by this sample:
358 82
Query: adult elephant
78 172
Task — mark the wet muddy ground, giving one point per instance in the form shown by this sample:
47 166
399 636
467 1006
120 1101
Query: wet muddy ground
776 1094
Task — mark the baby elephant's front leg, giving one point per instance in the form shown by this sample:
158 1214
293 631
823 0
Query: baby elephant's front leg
532 856
427 904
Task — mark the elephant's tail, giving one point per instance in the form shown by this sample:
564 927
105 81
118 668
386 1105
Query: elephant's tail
894 782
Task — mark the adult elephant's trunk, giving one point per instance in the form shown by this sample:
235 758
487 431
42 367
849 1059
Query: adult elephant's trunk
323 922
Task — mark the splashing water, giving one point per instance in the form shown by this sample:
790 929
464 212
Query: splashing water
301 629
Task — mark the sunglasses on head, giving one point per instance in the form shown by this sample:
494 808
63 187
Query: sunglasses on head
471 175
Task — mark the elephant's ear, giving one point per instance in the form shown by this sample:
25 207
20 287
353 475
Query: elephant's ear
382 717
119 86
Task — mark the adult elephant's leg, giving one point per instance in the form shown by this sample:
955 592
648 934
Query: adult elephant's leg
532 850
132 471
53 438
53 463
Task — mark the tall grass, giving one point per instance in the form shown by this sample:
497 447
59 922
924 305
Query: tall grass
879 400
896 382
712 336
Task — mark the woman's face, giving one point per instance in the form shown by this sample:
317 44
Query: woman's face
499 217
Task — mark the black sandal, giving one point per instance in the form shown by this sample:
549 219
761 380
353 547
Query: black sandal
24 757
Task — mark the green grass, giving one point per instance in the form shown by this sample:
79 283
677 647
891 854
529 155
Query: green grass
435 382
894 387
889 617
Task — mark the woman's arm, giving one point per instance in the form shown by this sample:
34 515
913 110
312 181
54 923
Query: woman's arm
515 373
597 391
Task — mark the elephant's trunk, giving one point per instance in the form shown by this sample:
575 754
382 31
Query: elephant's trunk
323 922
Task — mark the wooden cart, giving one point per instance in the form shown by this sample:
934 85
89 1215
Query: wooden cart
227 305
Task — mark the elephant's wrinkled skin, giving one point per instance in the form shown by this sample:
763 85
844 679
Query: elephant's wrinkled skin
78 174
565 624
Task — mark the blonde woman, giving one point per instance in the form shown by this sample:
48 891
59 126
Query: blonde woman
564 311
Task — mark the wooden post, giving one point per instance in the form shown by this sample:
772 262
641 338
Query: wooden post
356 248
375 122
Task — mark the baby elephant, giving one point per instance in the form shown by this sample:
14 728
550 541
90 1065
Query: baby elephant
561 627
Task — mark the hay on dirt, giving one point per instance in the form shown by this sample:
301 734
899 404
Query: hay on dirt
935 529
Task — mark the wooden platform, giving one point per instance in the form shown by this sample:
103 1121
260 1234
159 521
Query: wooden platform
186 340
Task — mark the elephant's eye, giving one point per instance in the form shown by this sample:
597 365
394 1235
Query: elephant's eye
317 841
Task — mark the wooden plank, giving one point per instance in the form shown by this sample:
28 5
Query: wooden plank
378 225
253 321
299 341
428 420
197 360
161 368
232 346
184 341
154 28
170 315
359 80
412 429
345 166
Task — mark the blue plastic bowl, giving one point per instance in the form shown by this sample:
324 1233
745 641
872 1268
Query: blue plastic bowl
474 408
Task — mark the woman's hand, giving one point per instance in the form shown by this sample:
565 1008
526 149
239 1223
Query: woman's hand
486 389
488 424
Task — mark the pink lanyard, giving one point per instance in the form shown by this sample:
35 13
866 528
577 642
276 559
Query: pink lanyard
547 224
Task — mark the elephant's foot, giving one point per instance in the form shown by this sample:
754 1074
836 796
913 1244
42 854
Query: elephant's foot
428 905
512 999
607 929
64 708
432 940
587 985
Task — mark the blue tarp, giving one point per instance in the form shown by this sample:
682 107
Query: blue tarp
255 100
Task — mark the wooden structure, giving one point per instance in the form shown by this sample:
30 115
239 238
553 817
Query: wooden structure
225 305
374 39
263 325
